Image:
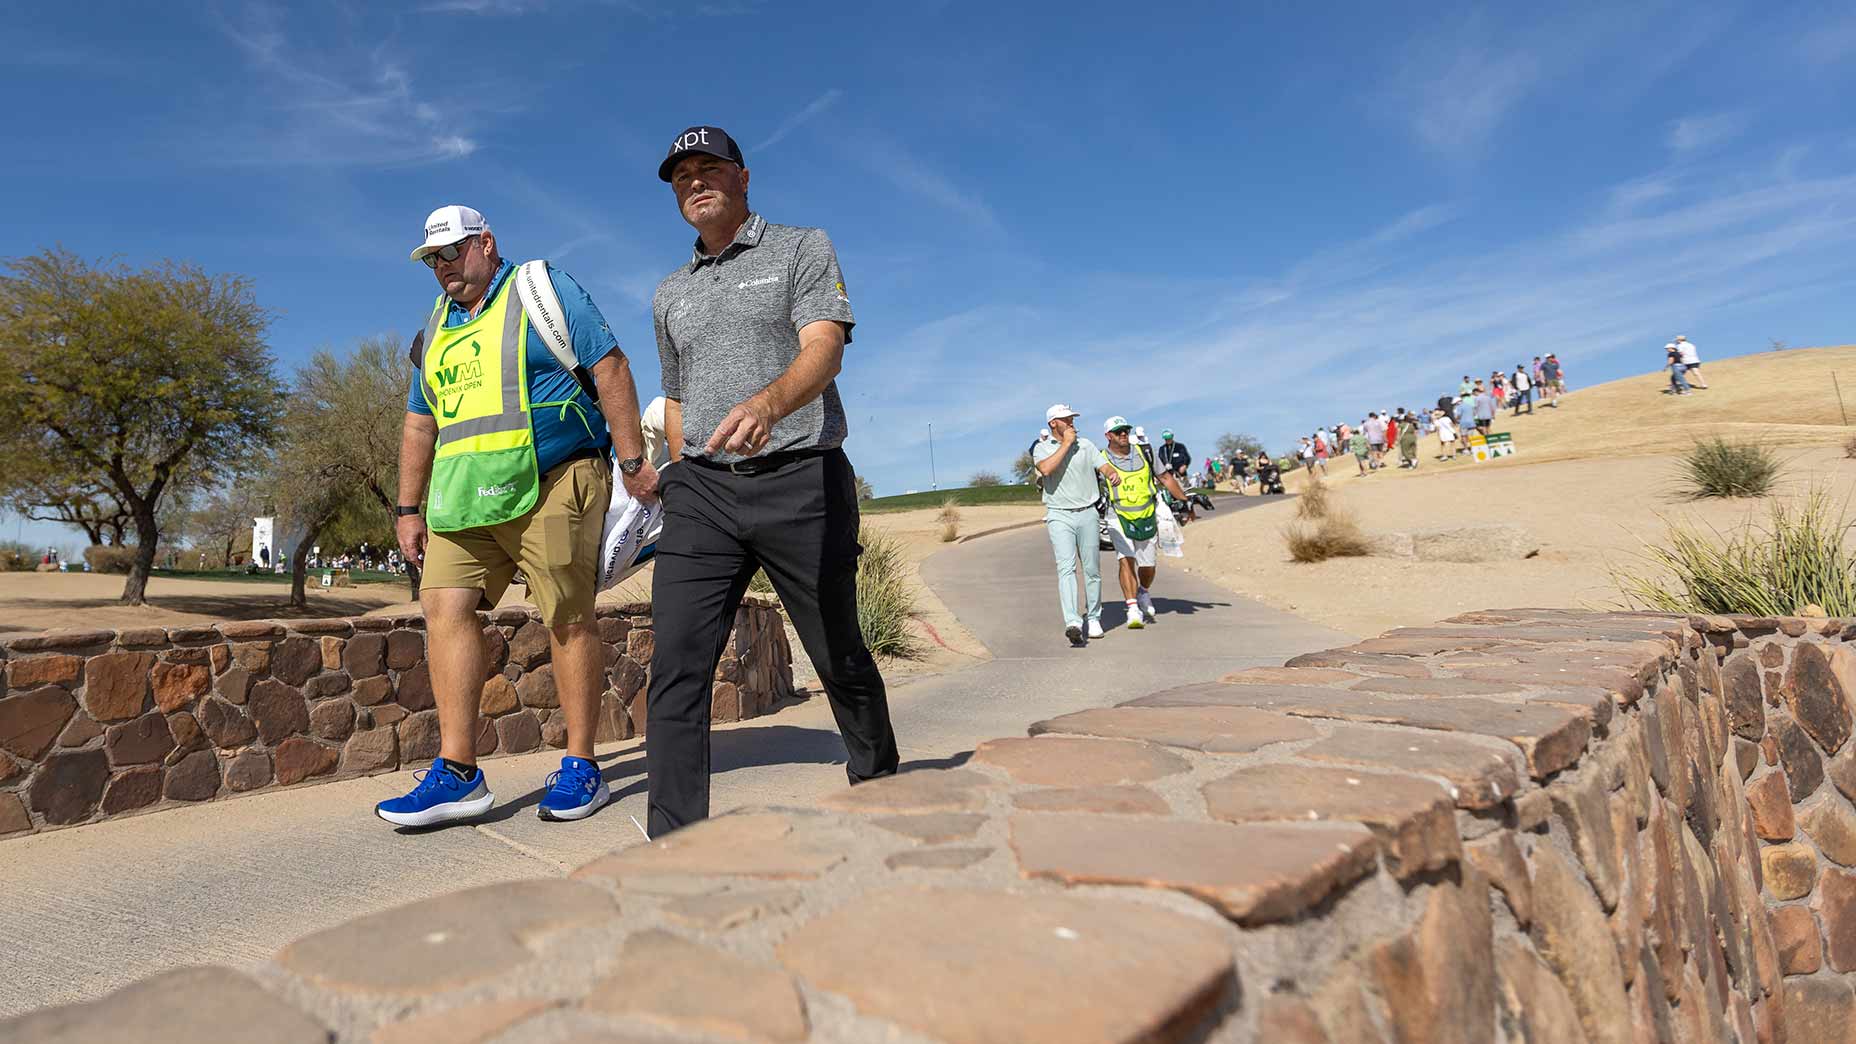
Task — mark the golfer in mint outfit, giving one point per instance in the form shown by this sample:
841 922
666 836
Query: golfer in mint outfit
1067 465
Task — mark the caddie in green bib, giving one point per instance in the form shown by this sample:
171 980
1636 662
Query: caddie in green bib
476 378
1134 499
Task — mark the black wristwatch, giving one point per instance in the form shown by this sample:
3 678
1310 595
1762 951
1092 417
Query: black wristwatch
632 465
402 510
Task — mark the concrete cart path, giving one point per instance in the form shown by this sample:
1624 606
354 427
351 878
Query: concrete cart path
84 911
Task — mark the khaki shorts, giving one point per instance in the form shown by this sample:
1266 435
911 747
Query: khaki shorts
555 545
1142 551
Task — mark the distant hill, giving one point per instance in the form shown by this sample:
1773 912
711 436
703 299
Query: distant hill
1786 397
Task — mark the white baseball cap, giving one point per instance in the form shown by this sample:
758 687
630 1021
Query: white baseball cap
1057 411
1115 422
448 225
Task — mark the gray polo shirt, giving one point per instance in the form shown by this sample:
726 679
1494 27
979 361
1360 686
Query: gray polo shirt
728 325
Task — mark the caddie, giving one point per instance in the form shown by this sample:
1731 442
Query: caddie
505 465
1134 515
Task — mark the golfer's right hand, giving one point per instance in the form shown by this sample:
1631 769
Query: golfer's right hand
409 530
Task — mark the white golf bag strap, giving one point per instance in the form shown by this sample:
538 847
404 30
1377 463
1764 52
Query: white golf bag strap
543 307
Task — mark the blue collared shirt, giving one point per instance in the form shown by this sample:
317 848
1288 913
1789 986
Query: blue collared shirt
560 430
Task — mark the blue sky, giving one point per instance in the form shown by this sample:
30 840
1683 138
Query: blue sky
1206 216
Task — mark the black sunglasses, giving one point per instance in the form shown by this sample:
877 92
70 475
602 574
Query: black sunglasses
448 252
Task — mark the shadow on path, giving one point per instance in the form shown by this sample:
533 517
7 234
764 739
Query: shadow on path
730 750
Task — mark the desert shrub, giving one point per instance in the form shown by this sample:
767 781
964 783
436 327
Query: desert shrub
885 600
1849 447
985 478
1797 558
16 557
950 520
110 559
1718 467
1315 501
1334 535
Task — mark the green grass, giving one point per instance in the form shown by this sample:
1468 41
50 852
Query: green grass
239 576
970 496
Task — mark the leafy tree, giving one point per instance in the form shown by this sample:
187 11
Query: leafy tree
864 490
985 478
130 379
1024 469
1229 444
40 490
340 452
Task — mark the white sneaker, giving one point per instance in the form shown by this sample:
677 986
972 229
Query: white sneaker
1146 602
1095 628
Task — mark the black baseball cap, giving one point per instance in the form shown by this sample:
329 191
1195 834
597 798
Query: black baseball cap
712 140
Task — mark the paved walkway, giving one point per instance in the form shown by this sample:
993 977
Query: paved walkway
85 911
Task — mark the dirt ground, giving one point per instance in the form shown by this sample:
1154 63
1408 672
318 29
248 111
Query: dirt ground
1575 485
34 602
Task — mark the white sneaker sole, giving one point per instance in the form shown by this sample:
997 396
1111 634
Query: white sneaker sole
600 798
449 812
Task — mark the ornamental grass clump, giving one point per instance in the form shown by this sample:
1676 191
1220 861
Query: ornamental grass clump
1315 500
950 520
1719 467
1798 558
885 599
1335 535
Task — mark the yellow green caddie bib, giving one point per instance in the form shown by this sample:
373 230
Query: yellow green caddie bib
484 470
1134 501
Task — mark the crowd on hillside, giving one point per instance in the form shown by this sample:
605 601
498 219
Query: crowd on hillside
1384 437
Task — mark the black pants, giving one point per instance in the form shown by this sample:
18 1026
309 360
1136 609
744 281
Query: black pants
798 522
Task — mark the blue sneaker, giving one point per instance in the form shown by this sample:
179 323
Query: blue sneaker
440 797
575 792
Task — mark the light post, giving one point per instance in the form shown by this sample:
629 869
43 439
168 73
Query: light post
933 481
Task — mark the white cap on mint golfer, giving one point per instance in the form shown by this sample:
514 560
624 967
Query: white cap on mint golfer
1057 411
448 225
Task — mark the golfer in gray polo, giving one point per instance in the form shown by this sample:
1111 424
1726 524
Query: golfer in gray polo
751 333
1067 464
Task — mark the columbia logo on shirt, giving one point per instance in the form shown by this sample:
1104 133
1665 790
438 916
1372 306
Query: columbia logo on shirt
762 281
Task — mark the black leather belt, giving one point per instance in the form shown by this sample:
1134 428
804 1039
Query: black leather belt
759 465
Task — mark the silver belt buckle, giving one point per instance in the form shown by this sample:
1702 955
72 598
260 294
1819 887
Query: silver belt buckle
734 466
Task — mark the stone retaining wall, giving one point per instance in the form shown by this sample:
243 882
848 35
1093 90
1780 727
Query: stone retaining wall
97 724
1521 826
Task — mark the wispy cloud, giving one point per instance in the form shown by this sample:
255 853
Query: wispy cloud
800 118
483 7
321 108
1455 107
1410 320
1696 133
1831 44
909 172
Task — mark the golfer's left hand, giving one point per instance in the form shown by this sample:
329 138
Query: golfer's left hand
642 486
745 430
